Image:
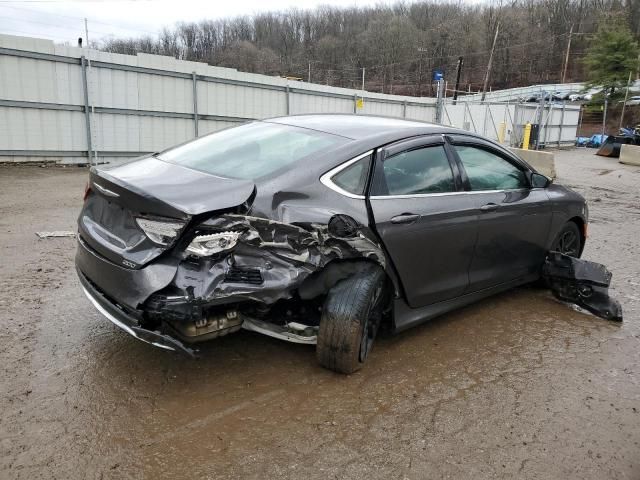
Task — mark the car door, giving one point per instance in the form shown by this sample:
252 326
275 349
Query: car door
427 223
514 219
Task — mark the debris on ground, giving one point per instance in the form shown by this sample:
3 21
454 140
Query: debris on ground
57 233
582 282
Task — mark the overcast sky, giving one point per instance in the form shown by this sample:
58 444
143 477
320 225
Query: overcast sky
64 20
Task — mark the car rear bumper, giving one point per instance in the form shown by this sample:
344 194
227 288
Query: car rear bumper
129 287
128 322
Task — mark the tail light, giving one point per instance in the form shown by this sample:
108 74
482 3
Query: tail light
206 245
87 191
162 232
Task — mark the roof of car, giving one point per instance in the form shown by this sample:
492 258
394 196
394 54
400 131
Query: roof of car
358 127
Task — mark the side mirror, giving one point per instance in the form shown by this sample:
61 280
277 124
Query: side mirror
539 181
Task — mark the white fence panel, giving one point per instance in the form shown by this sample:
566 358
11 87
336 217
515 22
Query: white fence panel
305 103
134 104
373 107
39 129
426 113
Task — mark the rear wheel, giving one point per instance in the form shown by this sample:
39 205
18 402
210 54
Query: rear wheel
350 319
568 240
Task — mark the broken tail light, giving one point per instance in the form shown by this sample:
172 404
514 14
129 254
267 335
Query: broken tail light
87 191
162 232
207 245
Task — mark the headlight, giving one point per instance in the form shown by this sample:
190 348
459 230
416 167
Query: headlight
160 232
206 245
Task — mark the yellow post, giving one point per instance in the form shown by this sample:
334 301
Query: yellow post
527 135
502 131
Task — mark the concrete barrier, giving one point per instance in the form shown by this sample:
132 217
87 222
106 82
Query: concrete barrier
630 154
543 162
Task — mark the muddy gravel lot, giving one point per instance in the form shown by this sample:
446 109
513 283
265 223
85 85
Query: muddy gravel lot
517 386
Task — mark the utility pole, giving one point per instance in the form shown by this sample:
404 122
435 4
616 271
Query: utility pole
458 72
486 77
362 79
421 50
624 104
566 58
86 32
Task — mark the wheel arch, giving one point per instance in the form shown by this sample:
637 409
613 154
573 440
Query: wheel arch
323 280
582 228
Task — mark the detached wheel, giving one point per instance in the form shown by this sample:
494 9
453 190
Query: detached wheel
568 240
350 319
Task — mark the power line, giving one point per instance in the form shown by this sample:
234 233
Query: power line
92 21
72 1
79 28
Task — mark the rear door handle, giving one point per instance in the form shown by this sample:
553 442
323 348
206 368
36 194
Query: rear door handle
489 207
405 218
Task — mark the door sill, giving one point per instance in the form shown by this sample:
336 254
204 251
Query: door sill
406 317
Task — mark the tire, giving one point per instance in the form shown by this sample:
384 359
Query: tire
350 319
568 240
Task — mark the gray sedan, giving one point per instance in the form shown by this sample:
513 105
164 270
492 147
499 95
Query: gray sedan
316 229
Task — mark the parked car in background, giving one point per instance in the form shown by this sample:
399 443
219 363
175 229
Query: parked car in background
560 96
576 96
635 100
591 93
316 229
537 97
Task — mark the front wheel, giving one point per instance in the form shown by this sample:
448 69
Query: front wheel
568 240
350 319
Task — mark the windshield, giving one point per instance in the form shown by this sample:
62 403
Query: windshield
251 151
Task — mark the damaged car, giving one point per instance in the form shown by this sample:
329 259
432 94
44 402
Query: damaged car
316 229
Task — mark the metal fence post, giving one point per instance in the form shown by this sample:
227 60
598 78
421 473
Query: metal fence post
473 124
604 118
539 120
579 129
404 109
288 92
439 101
87 118
484 120
195 103
564 105
547 124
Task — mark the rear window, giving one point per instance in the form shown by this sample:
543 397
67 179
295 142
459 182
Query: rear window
251 151
353 179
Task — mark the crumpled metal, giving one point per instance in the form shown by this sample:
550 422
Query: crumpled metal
286 254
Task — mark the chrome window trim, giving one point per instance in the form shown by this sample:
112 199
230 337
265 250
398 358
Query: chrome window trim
444 194
327 182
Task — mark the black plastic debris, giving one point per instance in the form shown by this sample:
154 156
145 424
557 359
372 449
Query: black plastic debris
581 282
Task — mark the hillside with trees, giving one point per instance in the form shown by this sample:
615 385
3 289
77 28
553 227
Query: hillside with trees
401 44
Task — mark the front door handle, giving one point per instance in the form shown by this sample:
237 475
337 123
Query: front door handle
405 218
489 207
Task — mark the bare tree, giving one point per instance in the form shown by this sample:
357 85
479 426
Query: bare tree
400 44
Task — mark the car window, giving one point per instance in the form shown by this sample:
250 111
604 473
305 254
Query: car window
251 151
353 179
488 171
424 170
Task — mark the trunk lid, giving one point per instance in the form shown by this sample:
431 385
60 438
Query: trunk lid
154 190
